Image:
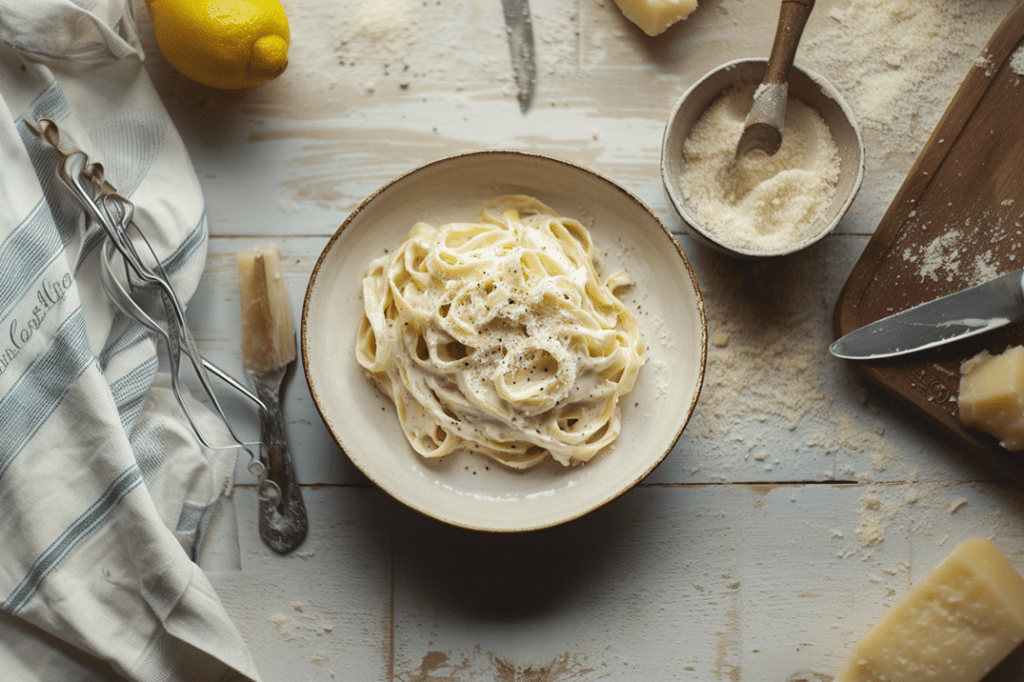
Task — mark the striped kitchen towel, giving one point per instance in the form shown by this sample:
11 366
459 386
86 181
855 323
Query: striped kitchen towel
104 490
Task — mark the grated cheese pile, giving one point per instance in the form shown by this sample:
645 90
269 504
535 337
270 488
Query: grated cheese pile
759 202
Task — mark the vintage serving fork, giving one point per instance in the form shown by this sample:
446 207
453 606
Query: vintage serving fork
146 276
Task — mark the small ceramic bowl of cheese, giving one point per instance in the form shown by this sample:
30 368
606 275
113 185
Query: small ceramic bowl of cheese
461 344
761 205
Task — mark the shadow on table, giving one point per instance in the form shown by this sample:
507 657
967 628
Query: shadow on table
511 576
1010 670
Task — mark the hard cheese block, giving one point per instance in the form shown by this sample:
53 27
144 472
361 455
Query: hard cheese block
654 16
953 626
991 395
268 336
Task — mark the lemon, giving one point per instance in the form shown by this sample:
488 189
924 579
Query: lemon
227 44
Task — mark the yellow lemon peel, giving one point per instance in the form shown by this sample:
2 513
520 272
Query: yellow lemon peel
228 44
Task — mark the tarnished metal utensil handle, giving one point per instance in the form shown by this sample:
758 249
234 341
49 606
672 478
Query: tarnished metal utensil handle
283 522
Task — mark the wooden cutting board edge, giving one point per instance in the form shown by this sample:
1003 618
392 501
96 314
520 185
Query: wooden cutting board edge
920 378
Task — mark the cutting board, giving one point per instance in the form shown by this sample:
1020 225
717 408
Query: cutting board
957 220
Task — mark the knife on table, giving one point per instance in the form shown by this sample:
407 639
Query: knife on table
519 27
965 313
268 348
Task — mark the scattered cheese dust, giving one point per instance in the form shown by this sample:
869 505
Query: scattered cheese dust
385 51
284 625
769 391
943 259
939 258
381 19
893 62
300 625
759 202
922 509
1017 61
872 520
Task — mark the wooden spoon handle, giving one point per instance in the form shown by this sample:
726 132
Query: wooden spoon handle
792 19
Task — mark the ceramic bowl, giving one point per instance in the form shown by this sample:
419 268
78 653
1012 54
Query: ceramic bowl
465 489
806 86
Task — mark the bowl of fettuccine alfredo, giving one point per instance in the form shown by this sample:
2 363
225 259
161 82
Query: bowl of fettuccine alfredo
504 341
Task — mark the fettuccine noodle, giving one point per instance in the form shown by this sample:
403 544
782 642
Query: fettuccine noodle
499 337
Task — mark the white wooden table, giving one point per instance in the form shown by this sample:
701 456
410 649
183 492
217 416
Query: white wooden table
795 509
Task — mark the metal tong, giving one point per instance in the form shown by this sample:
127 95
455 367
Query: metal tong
147 278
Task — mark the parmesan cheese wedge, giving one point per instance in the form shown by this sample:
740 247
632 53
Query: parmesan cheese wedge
268 337
654 16
991 396
955 625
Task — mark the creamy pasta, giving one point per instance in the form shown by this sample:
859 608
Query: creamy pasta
499 337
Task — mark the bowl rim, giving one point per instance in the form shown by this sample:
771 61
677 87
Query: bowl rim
689 220
686 413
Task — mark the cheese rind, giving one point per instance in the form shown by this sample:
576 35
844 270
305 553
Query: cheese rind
654 16
955 625
268 336
991 396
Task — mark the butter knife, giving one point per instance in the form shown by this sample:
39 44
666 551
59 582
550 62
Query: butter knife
519 26
966 313
268 348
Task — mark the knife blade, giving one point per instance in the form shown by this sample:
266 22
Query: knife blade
965 313
519 27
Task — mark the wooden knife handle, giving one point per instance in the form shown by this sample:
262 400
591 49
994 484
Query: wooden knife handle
792 19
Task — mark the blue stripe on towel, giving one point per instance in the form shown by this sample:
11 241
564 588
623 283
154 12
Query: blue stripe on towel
130 390
51 103
128 143
37 393
188 520
149 445
25 255
194 522
127 340
189 247
93 518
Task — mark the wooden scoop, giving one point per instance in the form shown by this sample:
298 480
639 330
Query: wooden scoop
766 120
